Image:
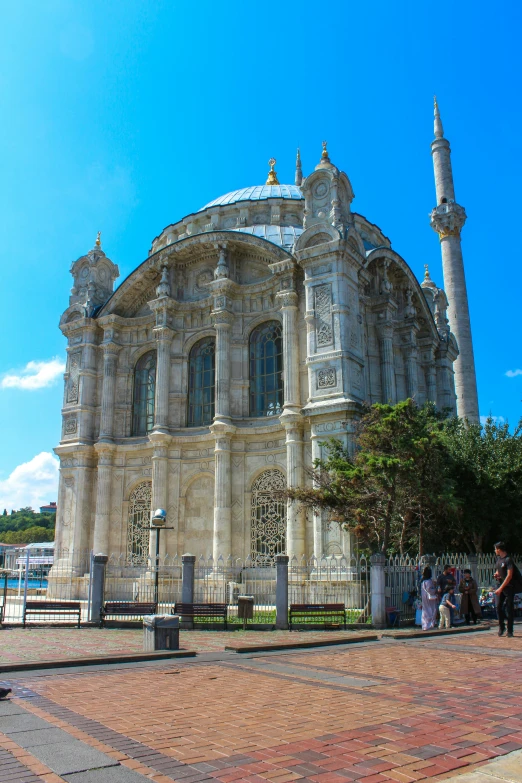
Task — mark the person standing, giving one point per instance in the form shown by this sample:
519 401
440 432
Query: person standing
507 573
445 580
469 603
429 598
447 606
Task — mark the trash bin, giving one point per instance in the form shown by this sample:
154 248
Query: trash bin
160 632
245 608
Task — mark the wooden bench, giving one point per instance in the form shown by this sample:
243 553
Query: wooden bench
63 608
126 609
203 610
327 612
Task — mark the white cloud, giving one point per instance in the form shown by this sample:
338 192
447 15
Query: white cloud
35 375
496 419
32 483
513 373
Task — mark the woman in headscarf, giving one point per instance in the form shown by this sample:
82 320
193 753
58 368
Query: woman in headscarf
430 600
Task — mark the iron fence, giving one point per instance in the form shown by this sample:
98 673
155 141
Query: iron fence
224 580
332 580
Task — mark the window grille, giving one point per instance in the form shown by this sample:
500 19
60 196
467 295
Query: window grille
268 517
138 533
202 383
266 370
144 392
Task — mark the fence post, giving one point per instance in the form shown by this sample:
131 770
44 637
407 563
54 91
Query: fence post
377 583
188 563
99 563
473 564
281 623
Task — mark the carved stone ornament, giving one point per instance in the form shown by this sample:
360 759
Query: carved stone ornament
326 378
71 425
323 314
74 377
448 219
163 288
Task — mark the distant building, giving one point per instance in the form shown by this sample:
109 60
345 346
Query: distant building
49 509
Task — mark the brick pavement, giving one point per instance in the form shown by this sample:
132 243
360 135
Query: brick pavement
424 715
54 643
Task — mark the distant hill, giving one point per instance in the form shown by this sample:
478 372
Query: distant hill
26 527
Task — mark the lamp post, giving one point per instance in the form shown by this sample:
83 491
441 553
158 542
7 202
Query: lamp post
158 524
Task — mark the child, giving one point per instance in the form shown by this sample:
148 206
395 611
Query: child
446 605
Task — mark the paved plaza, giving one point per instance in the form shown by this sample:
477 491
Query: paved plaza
388 710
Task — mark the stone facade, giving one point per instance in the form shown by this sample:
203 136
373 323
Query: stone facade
347 323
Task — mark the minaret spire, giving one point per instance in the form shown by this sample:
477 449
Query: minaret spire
298 170
447 219
437 124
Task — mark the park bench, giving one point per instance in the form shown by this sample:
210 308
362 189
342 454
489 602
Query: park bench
62 608
126 609
206 611
328 613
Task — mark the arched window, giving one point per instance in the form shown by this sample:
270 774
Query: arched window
201 383
268 517
138 532
144 391
266 370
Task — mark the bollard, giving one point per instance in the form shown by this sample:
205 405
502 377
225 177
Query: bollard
188 562
377 583
99 563
281 623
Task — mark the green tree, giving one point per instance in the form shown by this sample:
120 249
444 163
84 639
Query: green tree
396 488
487 465
30 535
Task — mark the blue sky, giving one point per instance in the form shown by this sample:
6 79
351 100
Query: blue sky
126 115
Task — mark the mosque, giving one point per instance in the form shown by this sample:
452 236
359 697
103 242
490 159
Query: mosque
255 329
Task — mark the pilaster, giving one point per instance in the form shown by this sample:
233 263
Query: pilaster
105 453
110 361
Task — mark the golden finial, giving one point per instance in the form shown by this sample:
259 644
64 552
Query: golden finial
426 271
98 239
272 174
324 154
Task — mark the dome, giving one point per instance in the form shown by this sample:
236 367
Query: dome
284 236
257 193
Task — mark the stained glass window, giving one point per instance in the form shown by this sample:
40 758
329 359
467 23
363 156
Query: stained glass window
144 391
266 370
201 383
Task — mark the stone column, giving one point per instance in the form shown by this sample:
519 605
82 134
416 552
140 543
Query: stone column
99 565
222 543
295 516
387 363
431 383
159 489
110 359
378 600
412 384
163 337
317 516
289 300
223 325
103 498
281 592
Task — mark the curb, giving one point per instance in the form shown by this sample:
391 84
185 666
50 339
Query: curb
95 660
246 648
436 632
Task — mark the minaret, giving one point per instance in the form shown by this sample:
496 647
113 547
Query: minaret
298 170
447 220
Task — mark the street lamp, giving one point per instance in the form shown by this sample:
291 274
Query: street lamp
158 523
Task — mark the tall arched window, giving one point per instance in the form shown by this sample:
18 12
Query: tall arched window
268 517
144 391
201 383
138 532
266 370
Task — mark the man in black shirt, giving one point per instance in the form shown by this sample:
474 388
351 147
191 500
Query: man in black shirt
445 580
508 576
